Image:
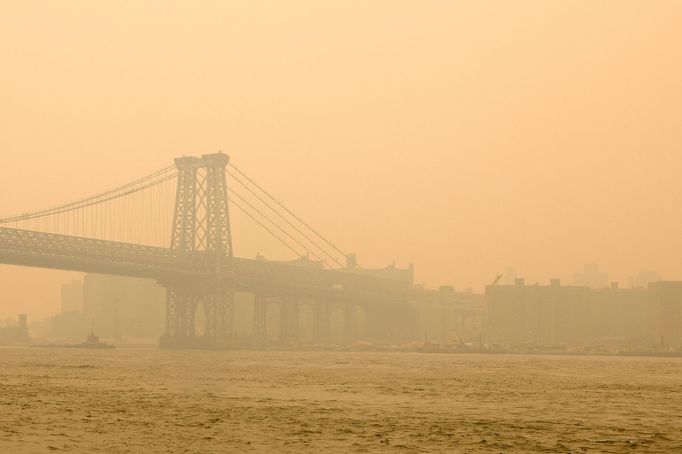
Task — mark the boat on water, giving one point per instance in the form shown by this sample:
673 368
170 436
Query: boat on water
92 341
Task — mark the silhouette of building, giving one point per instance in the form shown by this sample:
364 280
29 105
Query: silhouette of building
509 276
72 297
538 315
124 306
386 322
591 277
578 315
667 296
644 278
447 316
15 334
71 322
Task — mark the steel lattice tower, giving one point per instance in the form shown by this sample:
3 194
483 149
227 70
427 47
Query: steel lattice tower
201 227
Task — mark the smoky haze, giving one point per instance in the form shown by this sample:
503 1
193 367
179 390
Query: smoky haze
463 137
472 214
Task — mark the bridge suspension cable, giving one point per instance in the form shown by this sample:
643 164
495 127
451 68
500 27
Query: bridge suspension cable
84 203
261 194
138 212
243 200
271 197
142 212
291 248
99 198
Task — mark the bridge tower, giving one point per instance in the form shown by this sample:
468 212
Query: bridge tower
201 228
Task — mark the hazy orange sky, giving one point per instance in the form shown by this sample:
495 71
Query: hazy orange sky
462 136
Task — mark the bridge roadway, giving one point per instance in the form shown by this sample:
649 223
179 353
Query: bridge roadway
47 250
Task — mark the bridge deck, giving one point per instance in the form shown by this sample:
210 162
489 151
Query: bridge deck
46 250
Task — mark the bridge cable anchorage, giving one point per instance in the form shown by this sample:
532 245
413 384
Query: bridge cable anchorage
233 192
268 205
82 202
265 227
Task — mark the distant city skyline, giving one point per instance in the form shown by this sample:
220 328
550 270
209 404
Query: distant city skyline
340 226
447 136
58 280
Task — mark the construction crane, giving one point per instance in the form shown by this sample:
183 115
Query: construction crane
497 279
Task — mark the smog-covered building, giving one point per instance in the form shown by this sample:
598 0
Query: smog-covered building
15 333
447 316
578 315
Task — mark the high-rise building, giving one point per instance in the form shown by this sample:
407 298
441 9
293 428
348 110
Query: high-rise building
72 297
644 278
578 315
15 334
124 306
667 297
591 277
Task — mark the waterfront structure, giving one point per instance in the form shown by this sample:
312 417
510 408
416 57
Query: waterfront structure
15 334
572 315
446 316
667 298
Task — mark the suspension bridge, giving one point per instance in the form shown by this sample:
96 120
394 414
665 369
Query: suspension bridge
173 226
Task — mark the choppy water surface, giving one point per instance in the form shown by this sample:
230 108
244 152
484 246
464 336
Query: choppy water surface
129 400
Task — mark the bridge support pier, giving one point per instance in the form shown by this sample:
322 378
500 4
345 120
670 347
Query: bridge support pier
219 308
321 327
181 307
349 324
289 320
260 310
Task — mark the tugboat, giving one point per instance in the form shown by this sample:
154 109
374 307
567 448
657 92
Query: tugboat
92 341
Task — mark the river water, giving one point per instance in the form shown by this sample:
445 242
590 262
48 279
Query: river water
148 400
